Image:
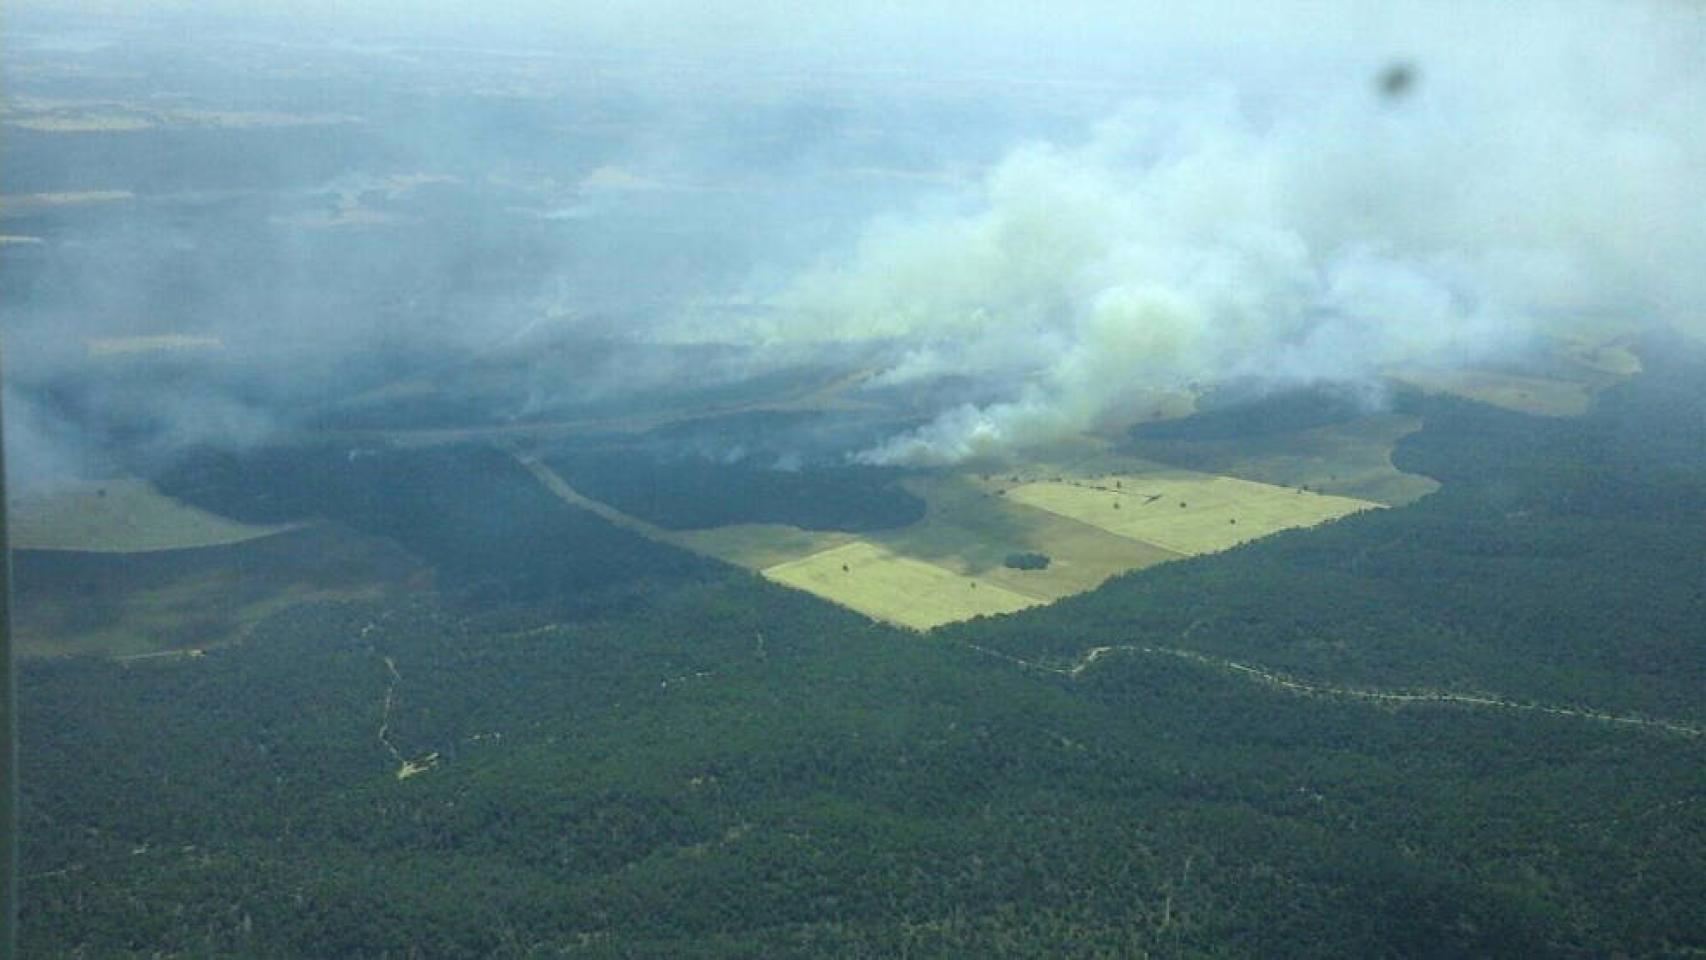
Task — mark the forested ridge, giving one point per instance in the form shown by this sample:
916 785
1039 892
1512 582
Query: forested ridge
704 764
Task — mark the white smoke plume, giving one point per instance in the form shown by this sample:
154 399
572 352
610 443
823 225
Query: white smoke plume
1524 183
522 214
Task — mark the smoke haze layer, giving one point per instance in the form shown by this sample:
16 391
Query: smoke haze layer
1213 237
221 226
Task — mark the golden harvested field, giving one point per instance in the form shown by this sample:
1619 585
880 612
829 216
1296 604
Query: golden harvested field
1185 512
123 515
969 529
922 575
759 545
882 584
1352 459
966 531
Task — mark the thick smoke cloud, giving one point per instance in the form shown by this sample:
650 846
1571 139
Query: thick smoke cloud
1051 214
1485 203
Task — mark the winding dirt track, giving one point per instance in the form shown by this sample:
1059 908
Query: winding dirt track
385 713
406 768
1393 697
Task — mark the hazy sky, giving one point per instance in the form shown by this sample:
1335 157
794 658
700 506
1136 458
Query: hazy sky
1072 36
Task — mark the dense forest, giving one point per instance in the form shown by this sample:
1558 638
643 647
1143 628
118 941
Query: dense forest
1204 759
687 492
497 539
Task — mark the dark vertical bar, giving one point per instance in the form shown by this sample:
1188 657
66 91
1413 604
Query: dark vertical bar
8 743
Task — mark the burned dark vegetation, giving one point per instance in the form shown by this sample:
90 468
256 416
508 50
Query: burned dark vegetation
472 684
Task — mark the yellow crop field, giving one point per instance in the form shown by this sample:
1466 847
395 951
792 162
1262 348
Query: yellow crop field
758 545
971 530
1185 512
122 515
967 531
951 565
887 586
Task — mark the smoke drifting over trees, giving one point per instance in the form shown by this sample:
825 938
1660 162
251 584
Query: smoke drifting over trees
1063 211
1205 238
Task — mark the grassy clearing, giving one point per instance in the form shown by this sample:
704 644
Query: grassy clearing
1543 396
183 617
759 545
883 584
1352 459
113 604
1557 379
122 515
967 531
971 530
922 575
1182 511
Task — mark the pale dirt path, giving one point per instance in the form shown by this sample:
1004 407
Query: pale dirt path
406 768
554 482
1399 698
188 653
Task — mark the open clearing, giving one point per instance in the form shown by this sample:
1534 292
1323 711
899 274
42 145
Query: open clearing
103 603
969 529
1559 381
923 575
759 545
919 576
1351 459
1182 511
883 584
1543 396
966 535
195 613
122 515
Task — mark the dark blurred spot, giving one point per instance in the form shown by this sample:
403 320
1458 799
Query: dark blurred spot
1397 80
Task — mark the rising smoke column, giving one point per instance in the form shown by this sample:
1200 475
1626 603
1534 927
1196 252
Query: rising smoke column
1203 240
